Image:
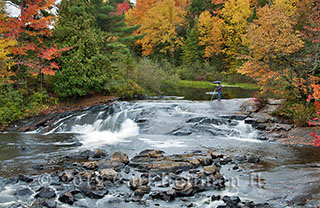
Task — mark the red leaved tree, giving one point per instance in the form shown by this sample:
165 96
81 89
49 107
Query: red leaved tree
312 35
31 29
123 7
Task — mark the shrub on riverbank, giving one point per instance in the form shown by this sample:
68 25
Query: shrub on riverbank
296 112
18 104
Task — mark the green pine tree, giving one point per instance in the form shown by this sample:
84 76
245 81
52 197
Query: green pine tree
192 50
87 66
119 35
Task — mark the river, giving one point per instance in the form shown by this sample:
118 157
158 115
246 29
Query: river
286 175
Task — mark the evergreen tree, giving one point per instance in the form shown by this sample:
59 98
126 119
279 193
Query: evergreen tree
87 66
118 33
191 49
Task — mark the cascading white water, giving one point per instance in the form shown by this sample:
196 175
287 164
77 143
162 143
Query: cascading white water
96 129
91 135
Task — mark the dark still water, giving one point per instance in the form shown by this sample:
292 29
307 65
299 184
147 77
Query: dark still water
190 93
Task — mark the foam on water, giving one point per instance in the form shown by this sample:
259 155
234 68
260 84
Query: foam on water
90 136
163 144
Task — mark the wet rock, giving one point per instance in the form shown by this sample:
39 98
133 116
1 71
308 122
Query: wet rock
126 170
164 195
260 127
209 170
120 157
46 192
90 165
117 166
157 178
236 167
138 183
91 193
241 158
215 197
195 162
98 154
248 107
38 167
194 171
231 201
190 205
67 198
24 192
150 154
250 121
196 119
263 118
109 174
281 127
80 156
225 161
183 188
40 203
253 159
234 117
207 160
66 177
142 190
25 178
181 131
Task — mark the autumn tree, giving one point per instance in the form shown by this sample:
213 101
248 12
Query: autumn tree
210 34
161 25
235 15
31 30
5 50
272 43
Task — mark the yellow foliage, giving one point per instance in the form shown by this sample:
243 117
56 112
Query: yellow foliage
235 14
210 33
160 24
288 7
5 51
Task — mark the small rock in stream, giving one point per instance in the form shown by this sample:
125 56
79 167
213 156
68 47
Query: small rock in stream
253 159
25 178
120 157
24 192
67 198
46 192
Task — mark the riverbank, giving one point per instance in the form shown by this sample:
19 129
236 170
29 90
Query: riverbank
66 106
276 129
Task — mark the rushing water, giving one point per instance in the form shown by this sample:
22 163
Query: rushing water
286 175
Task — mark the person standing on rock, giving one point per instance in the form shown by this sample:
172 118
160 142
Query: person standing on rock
219 89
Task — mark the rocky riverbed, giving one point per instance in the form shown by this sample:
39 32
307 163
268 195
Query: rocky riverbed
156 153
150 179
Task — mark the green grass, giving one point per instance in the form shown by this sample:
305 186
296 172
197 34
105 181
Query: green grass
203 84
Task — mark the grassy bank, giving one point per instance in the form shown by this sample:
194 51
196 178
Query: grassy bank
204 84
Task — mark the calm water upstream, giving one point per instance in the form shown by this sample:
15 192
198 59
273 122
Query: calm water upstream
286 176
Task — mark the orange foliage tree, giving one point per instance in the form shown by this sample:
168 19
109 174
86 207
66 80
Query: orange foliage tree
31 29
272 43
